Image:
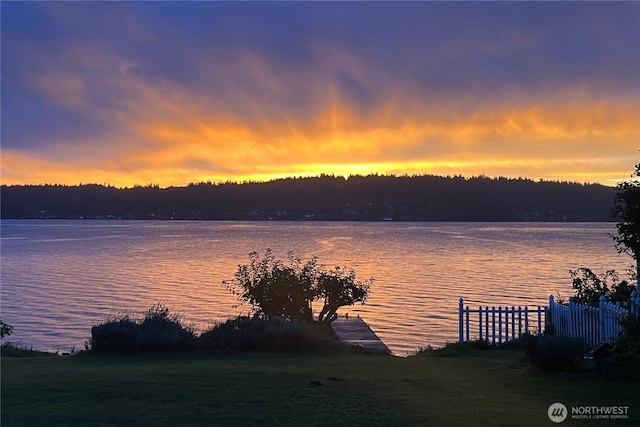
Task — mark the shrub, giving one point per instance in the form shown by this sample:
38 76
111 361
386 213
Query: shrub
241 333
589 287
159 330
282 335
268 334
117 336
626 353
11 350
551 353
5 329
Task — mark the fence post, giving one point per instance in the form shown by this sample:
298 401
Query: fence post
499 325
460 331
634 307
519 320
467 310
570 322
602 319
493 321
486 323
513 323
480 322
551 304
539 321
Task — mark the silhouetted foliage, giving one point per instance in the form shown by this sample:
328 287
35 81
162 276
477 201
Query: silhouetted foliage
12 350
161 331
276 289
627 211
551 353
626 352
589 286
289 290
158 330
339 288
361 198
5 329
269 334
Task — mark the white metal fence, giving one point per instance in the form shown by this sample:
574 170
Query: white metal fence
593 325
499 324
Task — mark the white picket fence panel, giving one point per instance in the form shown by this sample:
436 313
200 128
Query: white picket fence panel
593 325
634 308
499 324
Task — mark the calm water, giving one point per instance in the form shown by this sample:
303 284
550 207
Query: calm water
58 278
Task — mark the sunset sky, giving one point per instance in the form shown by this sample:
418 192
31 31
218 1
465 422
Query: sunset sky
170 93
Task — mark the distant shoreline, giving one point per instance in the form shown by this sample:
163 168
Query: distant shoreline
325 198
274 220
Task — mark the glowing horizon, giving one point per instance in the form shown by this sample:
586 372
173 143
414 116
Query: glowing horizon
97 93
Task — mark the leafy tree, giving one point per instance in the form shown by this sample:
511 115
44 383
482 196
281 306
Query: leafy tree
338 288
275 288
627 210
589 286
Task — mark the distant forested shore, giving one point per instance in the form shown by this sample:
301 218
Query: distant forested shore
326 197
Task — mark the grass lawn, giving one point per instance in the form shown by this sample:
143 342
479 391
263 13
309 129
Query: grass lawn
482 388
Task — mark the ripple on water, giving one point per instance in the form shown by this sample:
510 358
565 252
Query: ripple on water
54 291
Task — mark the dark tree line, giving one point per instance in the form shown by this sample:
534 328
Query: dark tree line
362 198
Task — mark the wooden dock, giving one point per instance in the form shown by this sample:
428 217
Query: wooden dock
355 331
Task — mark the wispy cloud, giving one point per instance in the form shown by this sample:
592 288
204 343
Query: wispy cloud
151 94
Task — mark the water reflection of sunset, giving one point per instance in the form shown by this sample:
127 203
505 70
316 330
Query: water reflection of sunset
420 270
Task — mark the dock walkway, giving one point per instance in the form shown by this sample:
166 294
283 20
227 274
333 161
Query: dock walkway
355 331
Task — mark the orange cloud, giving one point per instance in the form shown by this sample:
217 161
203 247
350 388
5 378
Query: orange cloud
173 134
140 97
